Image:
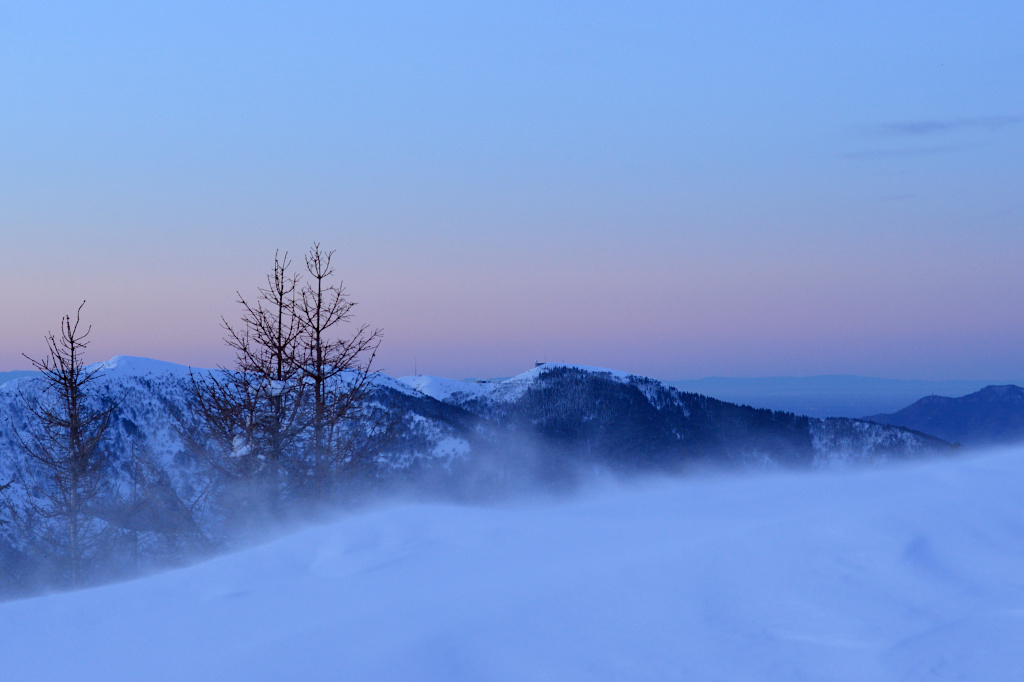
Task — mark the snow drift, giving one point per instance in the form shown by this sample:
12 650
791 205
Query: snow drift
899 572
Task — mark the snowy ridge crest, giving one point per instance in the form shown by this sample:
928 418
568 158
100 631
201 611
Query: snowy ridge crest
566 412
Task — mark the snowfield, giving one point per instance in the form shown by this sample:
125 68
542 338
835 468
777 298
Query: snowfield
899 572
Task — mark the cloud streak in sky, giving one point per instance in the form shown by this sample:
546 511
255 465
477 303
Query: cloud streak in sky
936 127
909 152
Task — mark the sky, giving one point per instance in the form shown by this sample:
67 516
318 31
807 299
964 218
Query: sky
678 189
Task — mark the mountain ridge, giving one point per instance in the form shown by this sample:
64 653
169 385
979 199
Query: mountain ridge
563 411
827 395
993 415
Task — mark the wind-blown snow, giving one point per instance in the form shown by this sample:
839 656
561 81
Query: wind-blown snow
898 572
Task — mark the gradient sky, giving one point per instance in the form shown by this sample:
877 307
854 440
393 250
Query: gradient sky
677 189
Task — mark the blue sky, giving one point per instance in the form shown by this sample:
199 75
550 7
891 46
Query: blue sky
677 189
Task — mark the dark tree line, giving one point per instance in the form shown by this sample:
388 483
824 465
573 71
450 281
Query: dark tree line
290 423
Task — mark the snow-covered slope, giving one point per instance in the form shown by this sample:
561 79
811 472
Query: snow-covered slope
585 414
507 390
904 572
440 388
150 393
634 421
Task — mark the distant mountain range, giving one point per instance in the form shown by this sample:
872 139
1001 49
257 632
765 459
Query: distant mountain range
827 395
16 374
548 420
624 420
992 416
816 396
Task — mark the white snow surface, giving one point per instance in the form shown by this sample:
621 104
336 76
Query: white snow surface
129 365
117 367
899 572
506 390
440 388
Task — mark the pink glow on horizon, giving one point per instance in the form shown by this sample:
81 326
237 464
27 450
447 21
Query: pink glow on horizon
670 313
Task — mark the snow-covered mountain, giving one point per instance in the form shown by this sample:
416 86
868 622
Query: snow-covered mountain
553 415
624 420
152 395
549 429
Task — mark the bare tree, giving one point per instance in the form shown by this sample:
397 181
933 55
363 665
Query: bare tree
294 411
248 419
344 427
67 450
266 347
